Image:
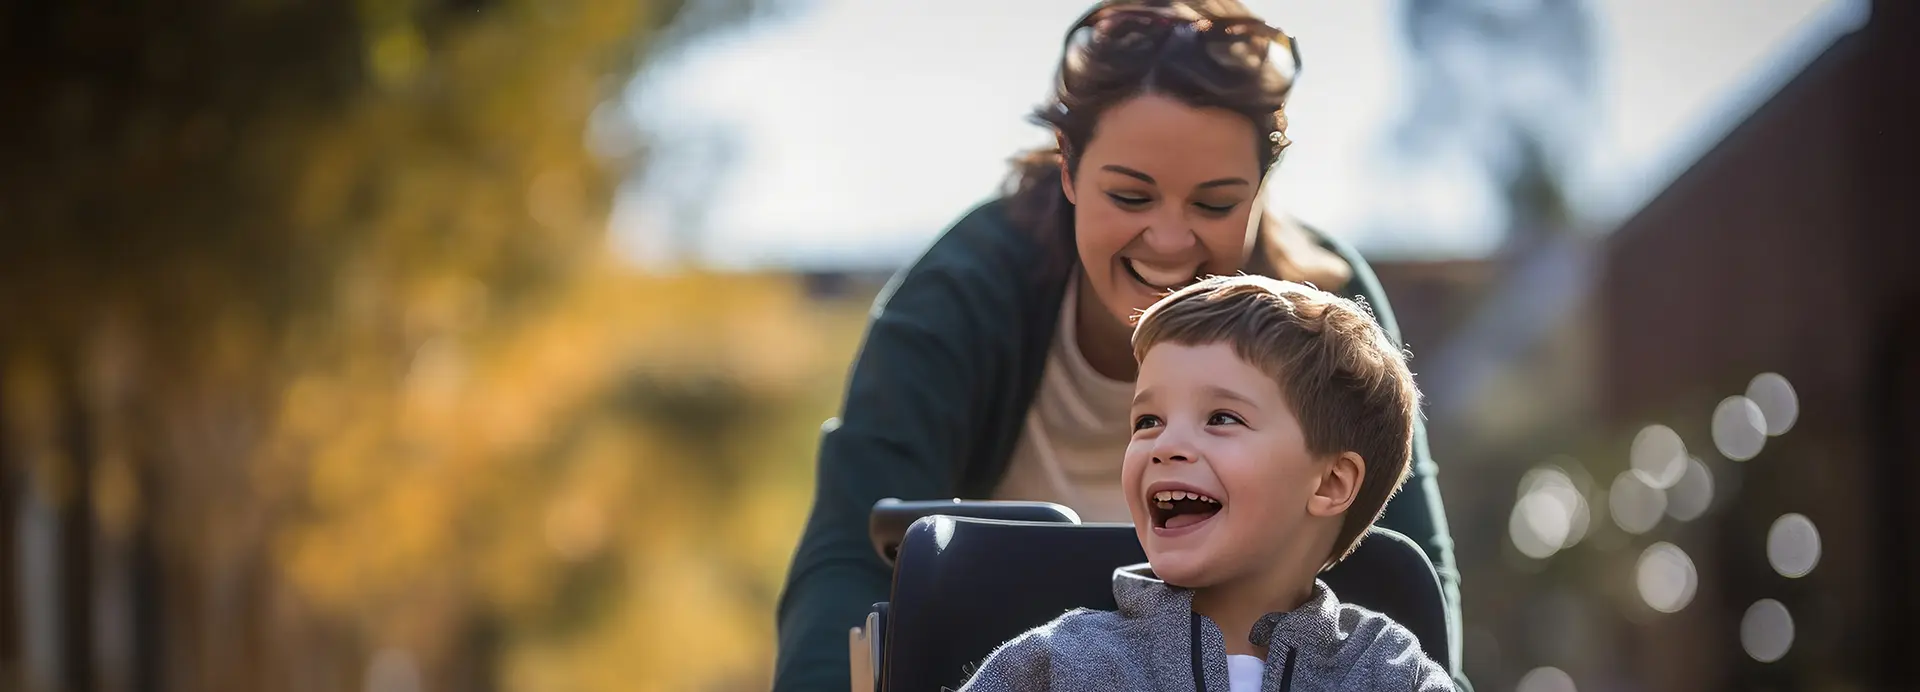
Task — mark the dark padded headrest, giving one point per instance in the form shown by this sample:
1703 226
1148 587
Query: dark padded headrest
887 524
963 586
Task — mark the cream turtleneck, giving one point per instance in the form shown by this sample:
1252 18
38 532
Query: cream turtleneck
1076 433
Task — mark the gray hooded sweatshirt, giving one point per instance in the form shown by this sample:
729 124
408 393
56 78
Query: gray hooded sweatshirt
1155 641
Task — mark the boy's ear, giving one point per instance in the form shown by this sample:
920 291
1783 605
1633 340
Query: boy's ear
1339 484
1066 176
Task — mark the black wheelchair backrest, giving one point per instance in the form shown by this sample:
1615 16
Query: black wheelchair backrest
963 586
887 524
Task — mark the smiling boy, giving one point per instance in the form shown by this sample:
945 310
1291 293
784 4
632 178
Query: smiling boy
1271 423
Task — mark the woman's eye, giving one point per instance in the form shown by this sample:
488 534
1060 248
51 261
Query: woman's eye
1144 422
1127 201
1216 208
1224 418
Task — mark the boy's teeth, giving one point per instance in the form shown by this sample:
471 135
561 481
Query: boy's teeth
1174 495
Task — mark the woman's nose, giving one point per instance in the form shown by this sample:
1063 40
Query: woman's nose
1170 233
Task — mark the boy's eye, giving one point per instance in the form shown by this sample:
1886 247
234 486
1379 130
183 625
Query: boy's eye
1224 418
1144 422
1126 200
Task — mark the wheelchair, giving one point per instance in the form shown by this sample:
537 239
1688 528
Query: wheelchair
970 575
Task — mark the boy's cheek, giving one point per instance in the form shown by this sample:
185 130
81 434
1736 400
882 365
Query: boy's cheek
1132 467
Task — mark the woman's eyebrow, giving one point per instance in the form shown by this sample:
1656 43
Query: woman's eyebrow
1123 170
1142 177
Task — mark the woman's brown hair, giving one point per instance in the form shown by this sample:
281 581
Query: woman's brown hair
1106 73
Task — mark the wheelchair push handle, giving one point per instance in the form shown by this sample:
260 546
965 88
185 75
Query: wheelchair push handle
888 523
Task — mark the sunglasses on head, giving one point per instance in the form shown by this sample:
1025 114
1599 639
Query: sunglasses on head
1235 44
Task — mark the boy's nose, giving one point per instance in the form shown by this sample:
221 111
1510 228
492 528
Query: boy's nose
1172 447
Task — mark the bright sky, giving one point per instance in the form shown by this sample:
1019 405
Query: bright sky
865 127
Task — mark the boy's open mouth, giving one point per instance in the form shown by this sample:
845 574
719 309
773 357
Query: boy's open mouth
1173 509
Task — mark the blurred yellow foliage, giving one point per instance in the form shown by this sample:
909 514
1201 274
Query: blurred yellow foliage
530 471
344 347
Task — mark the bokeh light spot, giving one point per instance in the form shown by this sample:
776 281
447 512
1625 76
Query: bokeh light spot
1659 456
1550 515
1546 679
1666 577
1777 401
1766 631
1793 546
1691 497
1739 428
1636 506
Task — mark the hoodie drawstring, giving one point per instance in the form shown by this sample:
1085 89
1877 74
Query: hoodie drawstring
1199 671
1286 679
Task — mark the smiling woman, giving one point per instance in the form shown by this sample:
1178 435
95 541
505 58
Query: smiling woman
1156 204
999 365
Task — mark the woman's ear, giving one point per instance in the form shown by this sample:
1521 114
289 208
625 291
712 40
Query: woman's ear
1066 176
1339 483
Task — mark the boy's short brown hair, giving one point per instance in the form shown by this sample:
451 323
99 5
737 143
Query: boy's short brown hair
1347 382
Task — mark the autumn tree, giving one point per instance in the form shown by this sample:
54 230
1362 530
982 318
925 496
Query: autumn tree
317 373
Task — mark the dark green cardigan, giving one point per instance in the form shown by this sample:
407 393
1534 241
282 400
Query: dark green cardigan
937 399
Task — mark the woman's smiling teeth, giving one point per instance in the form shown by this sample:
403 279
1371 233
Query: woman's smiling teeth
1162 277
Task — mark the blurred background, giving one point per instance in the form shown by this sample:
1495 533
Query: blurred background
428 345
